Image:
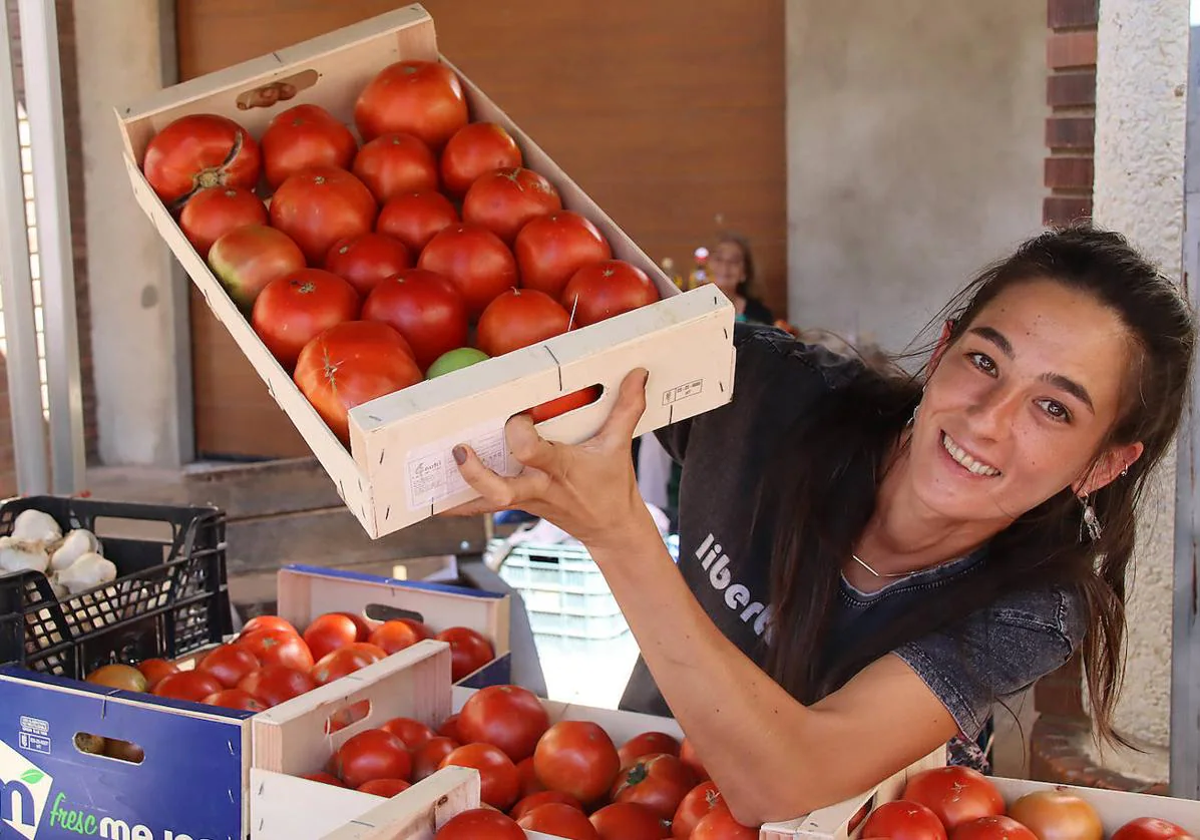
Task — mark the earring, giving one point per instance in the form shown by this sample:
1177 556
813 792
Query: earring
1125 471
913 419
1090 520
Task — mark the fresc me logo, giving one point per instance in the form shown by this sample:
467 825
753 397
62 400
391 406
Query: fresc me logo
24 791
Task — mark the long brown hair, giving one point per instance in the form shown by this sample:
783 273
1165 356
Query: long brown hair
827 480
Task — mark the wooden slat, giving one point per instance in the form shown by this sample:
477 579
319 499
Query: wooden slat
262 489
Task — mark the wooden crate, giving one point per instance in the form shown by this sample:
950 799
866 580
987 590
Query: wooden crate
399 469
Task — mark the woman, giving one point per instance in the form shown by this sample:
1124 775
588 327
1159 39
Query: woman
731 269
869 561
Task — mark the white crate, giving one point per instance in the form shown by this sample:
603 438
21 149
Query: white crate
685 340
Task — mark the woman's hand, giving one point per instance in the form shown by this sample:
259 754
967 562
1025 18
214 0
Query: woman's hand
589 489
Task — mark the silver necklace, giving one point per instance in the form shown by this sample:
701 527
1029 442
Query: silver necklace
863 563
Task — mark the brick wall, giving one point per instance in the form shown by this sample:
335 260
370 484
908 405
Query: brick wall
1071 97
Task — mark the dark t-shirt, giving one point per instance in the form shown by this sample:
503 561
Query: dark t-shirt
992 654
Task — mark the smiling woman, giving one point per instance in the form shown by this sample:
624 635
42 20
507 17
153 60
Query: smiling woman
870 559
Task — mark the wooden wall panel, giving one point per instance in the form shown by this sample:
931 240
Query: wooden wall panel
669 113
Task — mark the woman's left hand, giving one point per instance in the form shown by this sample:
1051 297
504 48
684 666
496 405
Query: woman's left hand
588 489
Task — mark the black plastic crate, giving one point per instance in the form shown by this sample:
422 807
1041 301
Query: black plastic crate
170 596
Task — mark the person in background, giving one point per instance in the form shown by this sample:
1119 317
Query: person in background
731 269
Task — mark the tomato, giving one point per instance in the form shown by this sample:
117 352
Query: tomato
392 636
384 787
325 779
229 664
319 206
275 684
125 677
504 200
413 733
1143 828
1057 814
155 669
396 163
469 651
449 728
506 716
124 751
367 259
424 307
372 754
903 820
561 821
198 151
530 801
293 310
648 743
278 647
342 661
424 631
415 218
428 757
500 785
474 260
628 821
606 289
302 137
474 150
577 757
551 248
561 405
268 622
956 794
517 318
422 98
188 685
235 698
530 784
687 754
214 211
363 625
350 364
699 802
660 782
329 632
480 824
998 827
720 825
246 259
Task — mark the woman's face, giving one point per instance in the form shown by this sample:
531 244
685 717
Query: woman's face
728 267
1017 408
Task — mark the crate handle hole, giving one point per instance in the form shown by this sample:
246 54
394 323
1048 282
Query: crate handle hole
117 527
280 90
860 816
347 716
114 749
385 612
566 405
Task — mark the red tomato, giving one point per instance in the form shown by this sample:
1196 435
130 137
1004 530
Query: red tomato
660 782
246 259
413 733
293 310
278 647
425 308
533 800
561 405
415 218
561 821
318 206
500 785
474 150
396 163
648 743
955 794
720 825
474 260
577 757
366 260
301 137
364 625
235 698
422 98
268 622
275 684
342 661
325 779
198 151
384 787
1005 828
214 211
424 631
530 784
629 821
1057 814
372 754
188 685
550 249
607 289
329 632
504 200
688 756
506 716
469 651
699 802
480 824
517 318
229 664
903 820
392 636
1143 828
351 364
155 669
428 757
449 728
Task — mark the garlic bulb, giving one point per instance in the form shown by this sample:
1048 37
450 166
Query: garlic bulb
73 546
88 571
35 526
19 556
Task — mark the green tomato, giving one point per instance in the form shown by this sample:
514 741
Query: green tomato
455 359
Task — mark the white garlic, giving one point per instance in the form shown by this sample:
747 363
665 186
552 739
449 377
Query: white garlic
73 546
88 571
34 526
19 556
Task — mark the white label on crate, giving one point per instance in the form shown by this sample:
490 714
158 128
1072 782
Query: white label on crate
24 790
432 474
34 743
682 392
34 725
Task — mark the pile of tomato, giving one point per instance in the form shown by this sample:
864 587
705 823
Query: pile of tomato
427 248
